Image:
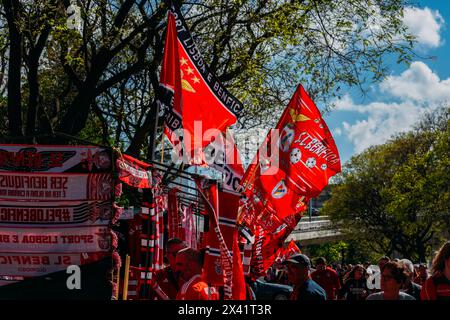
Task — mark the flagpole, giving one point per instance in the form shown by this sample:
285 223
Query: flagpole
310 209
118 284
148 196
126 277
162 148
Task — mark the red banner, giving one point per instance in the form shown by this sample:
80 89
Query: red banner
227 213
268 233
239 286
170 81
55 186
67 240
195 96
55 213
173 216
134 172
289 250
57 159
267 248
55 207
218 264
292 165
37 264
306 158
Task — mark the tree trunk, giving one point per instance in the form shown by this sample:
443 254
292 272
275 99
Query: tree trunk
33 98
149 126
14 69
75 119
35 52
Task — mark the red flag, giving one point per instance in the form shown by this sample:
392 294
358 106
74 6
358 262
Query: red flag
293 164
290 249
297 160
222 209
238 271
173 216
269 245
190 91
134 172
170 81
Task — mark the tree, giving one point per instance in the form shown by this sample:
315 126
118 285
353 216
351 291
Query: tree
332 252
105 72
395 196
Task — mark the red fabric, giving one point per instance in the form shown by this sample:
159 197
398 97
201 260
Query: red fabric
190 228
227 207
134 236
193 98
247 258
166 283
197 289
218 264
328 280
182 213
287 171
239 285
161 205
172 211
134 172
269 231
308 157
170 80
436 288
290 249
267 247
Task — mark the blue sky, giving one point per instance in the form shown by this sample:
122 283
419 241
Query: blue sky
396 103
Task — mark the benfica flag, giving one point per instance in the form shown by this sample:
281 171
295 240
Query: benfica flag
296 161
290 250
293 164
134 172
191 95
269 234
222 209
267 248
239 287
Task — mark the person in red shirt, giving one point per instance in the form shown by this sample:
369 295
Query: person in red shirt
437 287
189 268
166 278
327 278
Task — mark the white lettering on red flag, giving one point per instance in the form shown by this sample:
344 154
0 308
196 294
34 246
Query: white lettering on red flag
134 172
55 186
192 97
22 213
43 158
70 239
37 264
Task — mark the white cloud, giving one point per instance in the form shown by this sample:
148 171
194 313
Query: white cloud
425 24
418 89
418 83
383 121
346 104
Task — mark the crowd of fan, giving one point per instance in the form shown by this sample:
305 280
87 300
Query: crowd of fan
394 279
397 279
